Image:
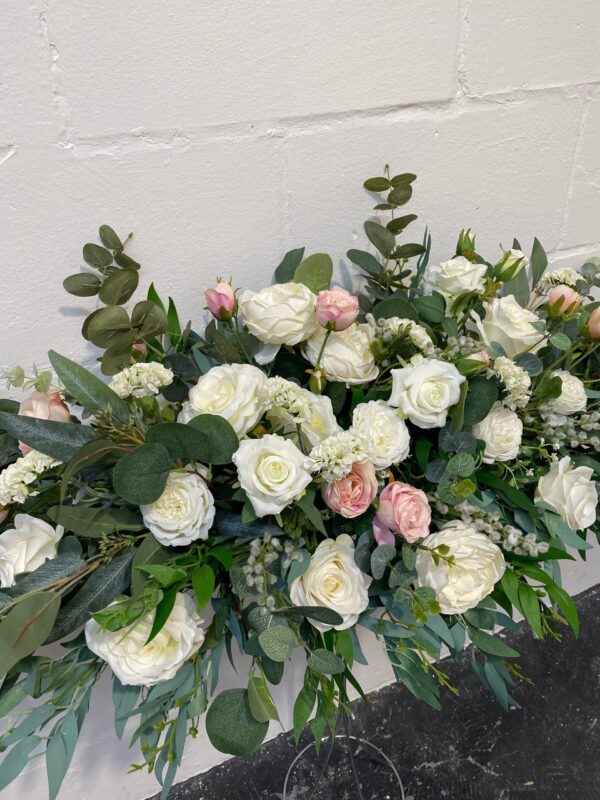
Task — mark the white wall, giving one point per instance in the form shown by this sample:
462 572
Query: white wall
224 133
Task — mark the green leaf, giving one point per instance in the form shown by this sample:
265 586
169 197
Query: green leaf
230 725
398 224
107 326
60 440
223 555
15 760
530 606
141 475
173 323
96 256
94 522
163 573
510 584
154 297
461 465
380 558
109 238
148 319
303 708
149 552
431 307
59 752
118 287
531 363
307 505
400 195
325 662
539 262
519 287
365 261
516 496
315 272
409 557
163 610
409 250
182 441
481 396
221 437
278 642
404 177
565 603
64 565
203 583
491 644
260 701
395 307
377 184
92 393
84 284
289 264
118 356
91 453
319 613
422 451
26 626
560 340
380 237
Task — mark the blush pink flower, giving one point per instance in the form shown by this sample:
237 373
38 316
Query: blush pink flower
336 308
404 511
221 300
593 326
562 300
4 512
42 405
352 495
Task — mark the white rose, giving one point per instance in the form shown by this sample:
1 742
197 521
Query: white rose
316 423
425 392
453 277
183 513
280 314
478 566
333 580
572 398
502 431
139 664
26 547
272 472
386 435
510 326
571 492
232 391
347 356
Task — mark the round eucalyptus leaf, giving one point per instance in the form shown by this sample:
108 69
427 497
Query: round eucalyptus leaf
230 725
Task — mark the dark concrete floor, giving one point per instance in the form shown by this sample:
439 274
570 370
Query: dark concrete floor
471 750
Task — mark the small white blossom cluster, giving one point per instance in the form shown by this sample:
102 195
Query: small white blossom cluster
508 537
288 396
141 380
516 382
462 346
580 431
566 276
336 454
386 328
16 479
264 553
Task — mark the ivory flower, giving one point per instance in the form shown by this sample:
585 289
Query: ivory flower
26 547
183 513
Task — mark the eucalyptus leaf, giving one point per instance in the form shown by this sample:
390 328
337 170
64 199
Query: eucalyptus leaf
84 284
109 238
325 662
107 326
26 626
222 441
96 256
230 725
315 272
118 287
277 642
95 522
141 475
284 273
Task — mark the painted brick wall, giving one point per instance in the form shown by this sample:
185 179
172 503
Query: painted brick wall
224 133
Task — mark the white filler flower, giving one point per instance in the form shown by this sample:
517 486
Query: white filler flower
26 547
136 663
141 380
183 513
16 479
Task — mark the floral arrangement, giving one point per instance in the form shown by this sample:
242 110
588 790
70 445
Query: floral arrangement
414 458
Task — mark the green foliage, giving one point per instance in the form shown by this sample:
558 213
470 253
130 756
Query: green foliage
277 642
141 475
26 626
221 439
315 272
230 725
94 522
91 392
289 264
60 440
481 396
325 662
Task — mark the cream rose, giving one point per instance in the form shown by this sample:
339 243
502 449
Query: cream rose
425 392
232 391
385 434
183 513
272 472
572 398
571 492
510 326
453 277
289 405
478 566
136 663
501 431
280 314
347 356
333 580
26 547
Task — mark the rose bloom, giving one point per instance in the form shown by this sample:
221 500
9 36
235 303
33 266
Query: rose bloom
352 495
183 513
510 326
403 510
136 663
336 308
593 326
477 568
42 405
571 400
347 356
232 391
333 580
455 276
26 547
570 492
501 431
386 435
221 300
424 392
562 300
280 314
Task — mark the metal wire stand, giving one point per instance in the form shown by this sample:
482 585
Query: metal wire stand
353 746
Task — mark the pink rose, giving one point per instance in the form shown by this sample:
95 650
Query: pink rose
351 495
221 300
336 308
562 300
481 356
43 406
593 326
403 510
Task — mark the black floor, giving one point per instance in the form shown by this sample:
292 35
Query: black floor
471 750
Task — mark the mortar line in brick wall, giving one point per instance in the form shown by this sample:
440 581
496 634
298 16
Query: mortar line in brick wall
585 111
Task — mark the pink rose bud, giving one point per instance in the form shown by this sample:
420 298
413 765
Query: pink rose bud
562 300
336 308
403 510
221 301
43 405
593 326
481 356
4 512
352 495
